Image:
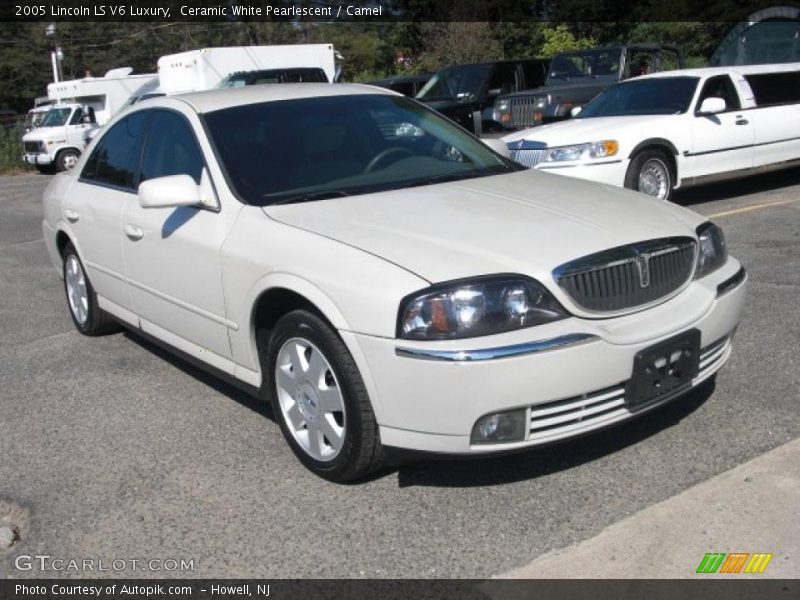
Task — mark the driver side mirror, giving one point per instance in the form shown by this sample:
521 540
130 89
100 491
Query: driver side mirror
712 106
575 111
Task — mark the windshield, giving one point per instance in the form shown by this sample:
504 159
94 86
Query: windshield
56 117
456 83
323 147
299 75
594 64
656 96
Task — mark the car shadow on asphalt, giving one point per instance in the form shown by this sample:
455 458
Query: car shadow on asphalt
547 460
216 383
477 472
754 184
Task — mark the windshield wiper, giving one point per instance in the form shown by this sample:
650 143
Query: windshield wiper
311 196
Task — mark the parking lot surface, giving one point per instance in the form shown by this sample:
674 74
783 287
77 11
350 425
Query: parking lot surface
111 448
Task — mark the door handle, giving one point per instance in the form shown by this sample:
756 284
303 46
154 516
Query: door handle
741 121
133 232
71 215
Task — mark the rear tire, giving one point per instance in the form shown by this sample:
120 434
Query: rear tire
319 399
87 316
651 172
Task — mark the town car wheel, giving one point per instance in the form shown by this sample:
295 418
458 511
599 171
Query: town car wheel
67 159
650 172
87 316
319 399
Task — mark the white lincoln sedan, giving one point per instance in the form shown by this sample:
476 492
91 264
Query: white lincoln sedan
384 279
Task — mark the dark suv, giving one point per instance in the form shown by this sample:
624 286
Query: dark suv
466 93
575 78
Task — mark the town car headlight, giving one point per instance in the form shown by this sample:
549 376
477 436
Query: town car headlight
472 308
712 251
600 149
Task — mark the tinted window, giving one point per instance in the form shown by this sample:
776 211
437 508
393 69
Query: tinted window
171 148
463 82
504 78
656 96
316 148
535 73
721 86
775 88
115 159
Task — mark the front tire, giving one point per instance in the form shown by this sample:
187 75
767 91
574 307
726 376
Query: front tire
87 316
651 173
67 159
319 399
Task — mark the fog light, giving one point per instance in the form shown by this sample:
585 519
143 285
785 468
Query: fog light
500 427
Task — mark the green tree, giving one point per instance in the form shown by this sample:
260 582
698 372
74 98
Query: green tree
558 38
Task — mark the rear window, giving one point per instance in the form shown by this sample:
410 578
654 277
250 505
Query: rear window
775 88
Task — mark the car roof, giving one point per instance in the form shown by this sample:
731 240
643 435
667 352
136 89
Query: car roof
711 71
217 99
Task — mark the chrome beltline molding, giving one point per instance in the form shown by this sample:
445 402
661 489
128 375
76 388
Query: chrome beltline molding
572 339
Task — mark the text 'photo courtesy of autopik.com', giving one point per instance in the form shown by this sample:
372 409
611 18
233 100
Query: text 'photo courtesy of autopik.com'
427 299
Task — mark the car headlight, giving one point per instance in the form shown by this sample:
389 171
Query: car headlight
481 307
712 252
502 105
600 149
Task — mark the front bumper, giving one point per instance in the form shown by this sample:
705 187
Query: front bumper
37 159
430 404
611 172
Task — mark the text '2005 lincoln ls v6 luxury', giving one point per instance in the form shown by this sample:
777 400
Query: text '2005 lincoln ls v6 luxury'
384 279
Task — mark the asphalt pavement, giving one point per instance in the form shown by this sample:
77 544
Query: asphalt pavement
112 449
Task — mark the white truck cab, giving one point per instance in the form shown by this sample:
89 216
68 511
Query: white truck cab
80 107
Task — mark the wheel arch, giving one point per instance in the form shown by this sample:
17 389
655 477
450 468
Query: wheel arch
664 145
277 295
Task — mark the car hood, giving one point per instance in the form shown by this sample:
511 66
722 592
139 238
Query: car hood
527 222
578 131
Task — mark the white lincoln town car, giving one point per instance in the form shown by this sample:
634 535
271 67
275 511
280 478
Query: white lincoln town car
384 279
675 129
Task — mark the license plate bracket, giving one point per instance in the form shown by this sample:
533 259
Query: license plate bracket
664 368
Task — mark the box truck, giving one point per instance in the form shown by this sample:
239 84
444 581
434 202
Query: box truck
198 70
79 107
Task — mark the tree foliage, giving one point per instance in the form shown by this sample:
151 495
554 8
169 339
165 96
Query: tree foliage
371 49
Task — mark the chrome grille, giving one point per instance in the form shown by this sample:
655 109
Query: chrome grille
628 276
522 109
527 153
31 147
527 158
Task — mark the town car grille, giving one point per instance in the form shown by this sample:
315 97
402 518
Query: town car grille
31 147
571 416
527 153
628 276
522 111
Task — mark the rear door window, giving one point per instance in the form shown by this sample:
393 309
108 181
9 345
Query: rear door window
775 88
